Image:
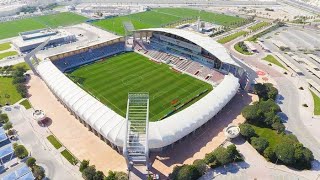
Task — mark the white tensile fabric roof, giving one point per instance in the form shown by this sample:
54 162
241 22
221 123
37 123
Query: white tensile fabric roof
201 40
112 126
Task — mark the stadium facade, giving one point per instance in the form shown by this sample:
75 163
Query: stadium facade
183 50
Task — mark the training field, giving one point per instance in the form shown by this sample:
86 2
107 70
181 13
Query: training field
12 28
110 81
162 16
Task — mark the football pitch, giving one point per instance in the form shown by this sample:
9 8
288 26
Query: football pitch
13 28
162 16
111 79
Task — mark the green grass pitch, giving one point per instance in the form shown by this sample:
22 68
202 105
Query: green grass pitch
162 16
13 28
112 79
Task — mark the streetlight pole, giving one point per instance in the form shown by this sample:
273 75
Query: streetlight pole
277 160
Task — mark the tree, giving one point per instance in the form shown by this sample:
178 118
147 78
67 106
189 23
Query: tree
273 92
270 118
267 106
10 132
303 157
4 118
285 152
111 176
268 153
200 165
247 131
98 176
260 144
116 175
20 151
18 80
222 155
31 162
7 125
232 149
265 91
83 165
121 175
209 158
38 172
251 113
22 89
261 90
18 72
279 127
89 173
185 172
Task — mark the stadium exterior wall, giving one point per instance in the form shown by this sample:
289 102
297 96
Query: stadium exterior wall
110 126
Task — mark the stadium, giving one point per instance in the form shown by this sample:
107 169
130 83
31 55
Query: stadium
189 78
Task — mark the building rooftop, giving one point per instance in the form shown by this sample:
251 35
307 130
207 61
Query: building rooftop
20 42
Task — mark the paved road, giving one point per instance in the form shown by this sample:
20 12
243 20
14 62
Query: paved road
291 105
44 154
8 62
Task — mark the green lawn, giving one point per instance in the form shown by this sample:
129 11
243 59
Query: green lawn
12 28
316 102
8 92
163 16
258 26
26 104
23 64
240 50
232 37
5 46
273 60
7 54
65 153
111 80
271 135
54 142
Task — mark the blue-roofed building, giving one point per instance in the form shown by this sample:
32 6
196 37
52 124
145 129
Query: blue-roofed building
22 173
3 137
10 176
28 176
2 131
6 153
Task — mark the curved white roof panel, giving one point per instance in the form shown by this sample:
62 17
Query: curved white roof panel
112 126
201 40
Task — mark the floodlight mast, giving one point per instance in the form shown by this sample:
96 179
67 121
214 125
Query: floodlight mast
32 54
128 30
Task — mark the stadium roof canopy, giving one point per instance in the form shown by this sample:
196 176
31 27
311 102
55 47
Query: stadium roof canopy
112 126
201 40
